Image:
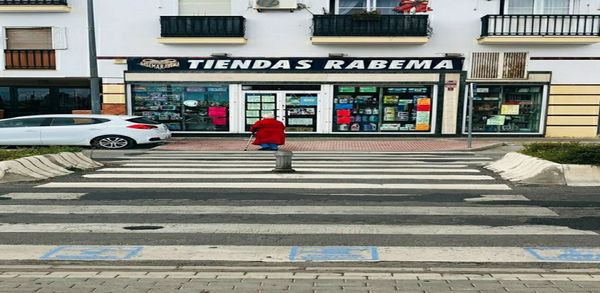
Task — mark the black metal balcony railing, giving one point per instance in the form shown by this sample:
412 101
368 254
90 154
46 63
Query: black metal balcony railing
33 2
381 25
202 26
540 25
30 59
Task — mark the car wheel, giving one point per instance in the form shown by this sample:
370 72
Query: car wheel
113 142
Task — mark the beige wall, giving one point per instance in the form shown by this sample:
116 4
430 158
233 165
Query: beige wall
573 111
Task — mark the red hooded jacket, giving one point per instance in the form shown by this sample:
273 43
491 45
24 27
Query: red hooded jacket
269 130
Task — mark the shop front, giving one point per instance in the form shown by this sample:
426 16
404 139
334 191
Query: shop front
310 95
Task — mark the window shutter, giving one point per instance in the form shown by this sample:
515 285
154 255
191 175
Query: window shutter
496 65
204 7
28 38
484 65
59 38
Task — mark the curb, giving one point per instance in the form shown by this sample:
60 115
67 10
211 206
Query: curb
44 166
485 147
517 167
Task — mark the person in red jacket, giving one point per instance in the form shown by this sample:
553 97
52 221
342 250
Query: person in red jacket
270 133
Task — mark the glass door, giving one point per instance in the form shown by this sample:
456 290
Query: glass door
258 104
297 110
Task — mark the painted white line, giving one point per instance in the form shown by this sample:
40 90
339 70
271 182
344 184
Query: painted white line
498 197
292 229
271 165
253 155
44 196
250 163
270 185
320 170
279 210
333 159
370 194
280 254
290 176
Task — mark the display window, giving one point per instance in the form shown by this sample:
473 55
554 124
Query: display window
507 109
298 110
183 107
382 109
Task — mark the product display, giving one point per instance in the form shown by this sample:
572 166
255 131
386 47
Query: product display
507 108
183 107
385 109
258 105
301 112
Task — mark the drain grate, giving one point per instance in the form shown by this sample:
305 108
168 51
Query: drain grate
135 228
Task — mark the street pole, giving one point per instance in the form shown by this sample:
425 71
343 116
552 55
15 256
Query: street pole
470 121
94 80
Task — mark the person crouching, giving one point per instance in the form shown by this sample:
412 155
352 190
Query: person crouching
270 133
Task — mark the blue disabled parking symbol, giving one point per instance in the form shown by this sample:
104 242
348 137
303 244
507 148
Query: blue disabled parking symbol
334 253
92 253
565 254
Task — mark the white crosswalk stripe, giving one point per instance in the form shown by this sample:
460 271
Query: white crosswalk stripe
235 226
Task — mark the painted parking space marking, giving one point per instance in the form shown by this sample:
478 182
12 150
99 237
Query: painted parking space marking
43 196
90 253
270 185
530 211
565 254
269 254
498 197
334 253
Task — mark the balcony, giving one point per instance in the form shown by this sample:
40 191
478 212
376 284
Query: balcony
540 29
202 30
34 6
379 29
30 59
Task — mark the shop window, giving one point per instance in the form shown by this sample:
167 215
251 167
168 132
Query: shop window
382 109
70 99
31 101
507 109
204 7
183 107
4 101
29 48
538 6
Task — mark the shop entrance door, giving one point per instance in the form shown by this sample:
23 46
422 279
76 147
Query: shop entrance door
297 110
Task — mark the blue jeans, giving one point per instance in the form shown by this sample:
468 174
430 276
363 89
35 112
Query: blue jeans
271 146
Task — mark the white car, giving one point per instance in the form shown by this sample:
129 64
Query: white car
102 131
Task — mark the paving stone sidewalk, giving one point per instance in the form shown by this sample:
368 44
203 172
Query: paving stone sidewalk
97 281
316 144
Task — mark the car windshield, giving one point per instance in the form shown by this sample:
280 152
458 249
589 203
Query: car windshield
143 120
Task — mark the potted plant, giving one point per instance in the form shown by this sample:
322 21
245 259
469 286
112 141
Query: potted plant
366 15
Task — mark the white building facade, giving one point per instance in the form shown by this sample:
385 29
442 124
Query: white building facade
44 67
335 67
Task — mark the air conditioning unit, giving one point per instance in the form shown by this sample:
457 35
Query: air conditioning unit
261 5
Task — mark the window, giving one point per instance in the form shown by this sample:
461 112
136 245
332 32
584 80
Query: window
183 106
66 121
29 48
382 109
74 99
507 109
31 100
538 6
205 7
4 99
356 6
29 122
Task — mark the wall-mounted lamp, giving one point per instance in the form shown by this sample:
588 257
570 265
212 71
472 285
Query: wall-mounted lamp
454 55
220 55
337 55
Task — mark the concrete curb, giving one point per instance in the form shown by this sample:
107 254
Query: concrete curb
44 166
517 167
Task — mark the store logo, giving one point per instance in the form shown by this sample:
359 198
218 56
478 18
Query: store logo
159 64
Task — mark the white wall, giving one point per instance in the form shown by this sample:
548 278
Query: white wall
72 62
131 28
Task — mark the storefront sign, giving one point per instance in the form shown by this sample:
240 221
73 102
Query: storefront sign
172 64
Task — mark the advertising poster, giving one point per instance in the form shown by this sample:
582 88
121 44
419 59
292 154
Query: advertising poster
423 114
509 110
497 120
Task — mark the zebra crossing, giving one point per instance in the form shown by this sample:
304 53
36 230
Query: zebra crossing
341 207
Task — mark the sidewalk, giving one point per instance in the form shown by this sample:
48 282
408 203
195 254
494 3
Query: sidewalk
328 144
